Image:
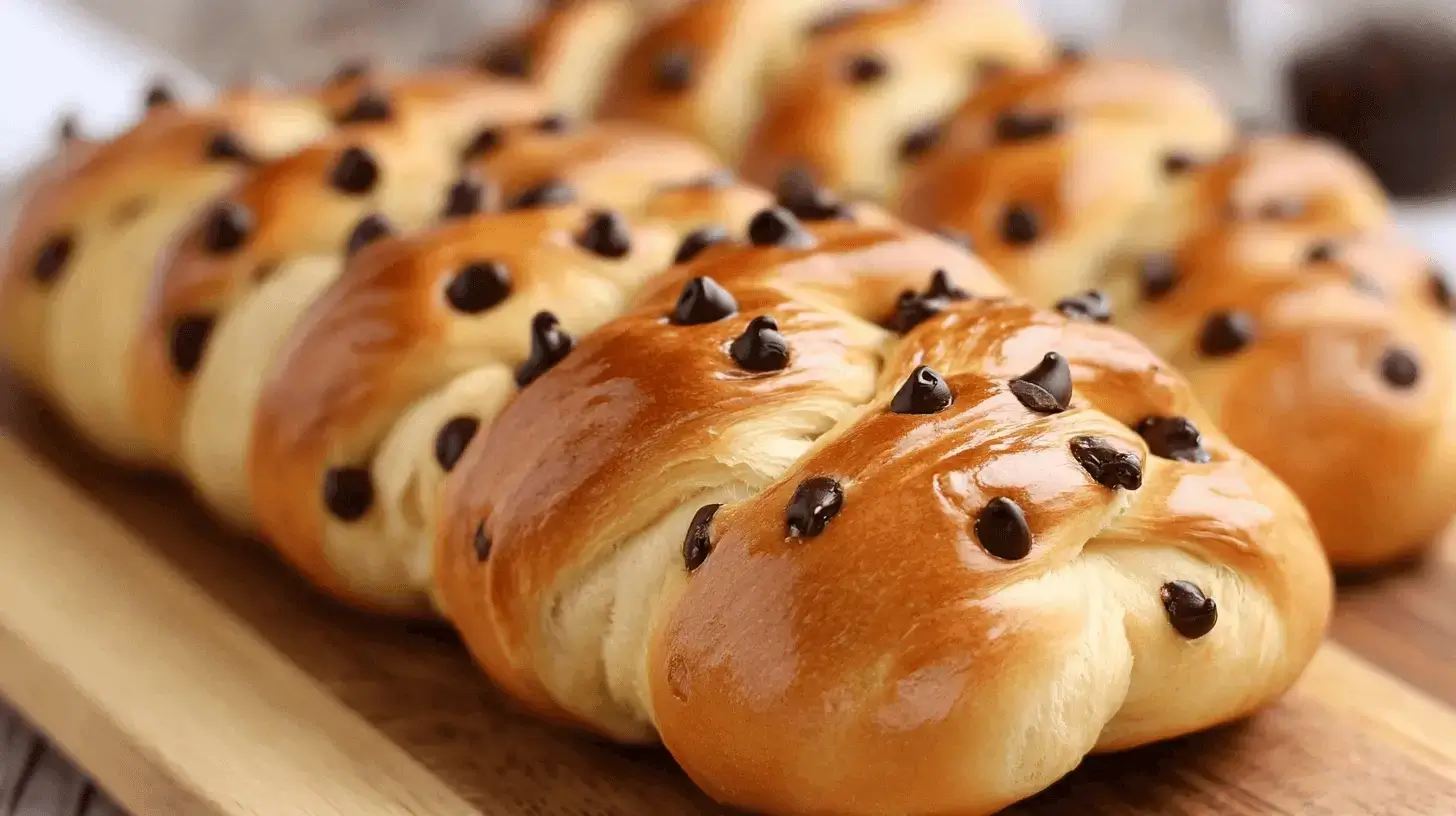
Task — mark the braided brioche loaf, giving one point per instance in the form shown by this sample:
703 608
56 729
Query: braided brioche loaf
734 485
82 250
797 503
1332 366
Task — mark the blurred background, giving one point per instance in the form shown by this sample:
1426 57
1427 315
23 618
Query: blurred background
1380 75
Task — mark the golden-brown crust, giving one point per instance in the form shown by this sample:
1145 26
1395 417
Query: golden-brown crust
1317 340
386 334
295 207
870 94
703 69
618 165
680 387
796 674
1045 213
81 252
1310 394
1187 119
567 51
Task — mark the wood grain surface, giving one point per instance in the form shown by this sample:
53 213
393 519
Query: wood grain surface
191 673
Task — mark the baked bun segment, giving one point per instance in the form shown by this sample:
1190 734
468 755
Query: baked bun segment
766 498
84 246
1269 275
252 260
870 95
391 372
567 50
704 69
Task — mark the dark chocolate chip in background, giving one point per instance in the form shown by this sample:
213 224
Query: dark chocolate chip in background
355 172
863 69
548 194
549 345
188 342
1173 437
1022 126
672 70
370 228
777 226
226 228
1399 368
51 258
1091 306
1157 275
703 300
348 492
1020 225
1225 333
699 241
606 234
481 544
452 440
478 286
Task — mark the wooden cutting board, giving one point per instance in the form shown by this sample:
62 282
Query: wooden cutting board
192 674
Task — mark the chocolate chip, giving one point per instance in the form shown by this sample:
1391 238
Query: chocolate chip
778 227
1441 290
370 228
226 228
1071 52
224 146
923 392
815 502
188 342
703 301
452 440
863 69
1108 466
1320 252
466 197
1002 530
1047 388
355 172
549 346
1225 333
348 492
1176 164
511 60
159 94
761 347
697 545
672 71
1399 368
370 106
1157 275
1173 438
698 241
51 258
1192 613
1091 306
914 308
920 141
547 194
69 129
481 544
1020 225
553 123
606 235
1021 126
478 286
348 72
799 193
484 142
